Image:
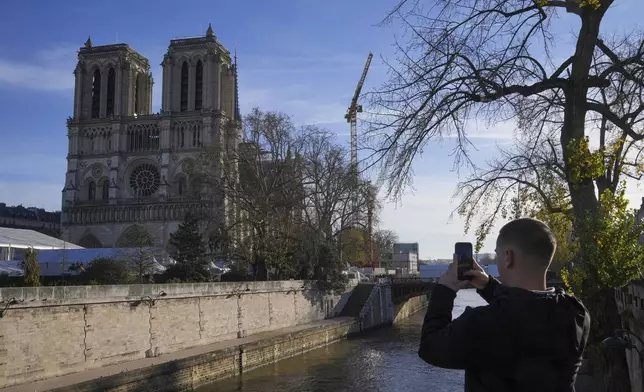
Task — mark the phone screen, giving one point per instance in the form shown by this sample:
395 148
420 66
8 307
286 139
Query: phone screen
465 254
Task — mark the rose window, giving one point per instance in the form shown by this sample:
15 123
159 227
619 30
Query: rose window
145 180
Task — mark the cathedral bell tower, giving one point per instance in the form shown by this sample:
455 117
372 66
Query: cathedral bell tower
111 80
199 75
129 167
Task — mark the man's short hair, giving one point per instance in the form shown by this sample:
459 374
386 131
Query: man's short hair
532 237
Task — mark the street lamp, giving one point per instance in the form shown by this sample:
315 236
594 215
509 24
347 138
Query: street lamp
620 339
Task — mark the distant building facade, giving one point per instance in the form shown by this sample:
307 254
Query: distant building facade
403 259
19 217
406 247
127 165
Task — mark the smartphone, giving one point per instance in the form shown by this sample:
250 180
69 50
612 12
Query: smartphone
465 255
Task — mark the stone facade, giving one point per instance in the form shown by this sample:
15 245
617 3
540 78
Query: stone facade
52 331
127 165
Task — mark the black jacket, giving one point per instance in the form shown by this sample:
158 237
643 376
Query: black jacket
521 341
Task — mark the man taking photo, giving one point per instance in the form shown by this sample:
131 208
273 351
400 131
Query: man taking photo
527 338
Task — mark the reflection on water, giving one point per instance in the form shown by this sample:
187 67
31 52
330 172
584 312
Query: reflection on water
382 360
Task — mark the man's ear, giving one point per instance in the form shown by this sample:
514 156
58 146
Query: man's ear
509 258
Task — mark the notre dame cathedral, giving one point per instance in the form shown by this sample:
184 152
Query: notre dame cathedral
127 165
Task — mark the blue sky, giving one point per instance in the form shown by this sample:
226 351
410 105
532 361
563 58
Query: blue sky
300 57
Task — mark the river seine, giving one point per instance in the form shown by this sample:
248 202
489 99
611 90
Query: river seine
382 360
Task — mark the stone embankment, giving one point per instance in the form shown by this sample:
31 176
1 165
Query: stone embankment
173 337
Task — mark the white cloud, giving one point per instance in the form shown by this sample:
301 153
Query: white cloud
312 62
503 130
424 217
50 70
287 100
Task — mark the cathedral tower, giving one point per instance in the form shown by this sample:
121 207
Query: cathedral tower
129 166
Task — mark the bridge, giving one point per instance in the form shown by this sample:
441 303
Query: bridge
404 288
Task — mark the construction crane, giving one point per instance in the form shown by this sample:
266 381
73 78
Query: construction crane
352 116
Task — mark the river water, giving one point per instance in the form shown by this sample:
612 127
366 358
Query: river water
382 360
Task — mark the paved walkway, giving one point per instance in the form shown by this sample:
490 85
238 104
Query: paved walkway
75 378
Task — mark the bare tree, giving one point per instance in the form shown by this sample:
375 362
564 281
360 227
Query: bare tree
136 249
265 187
491 60
384 241
336 202
294 195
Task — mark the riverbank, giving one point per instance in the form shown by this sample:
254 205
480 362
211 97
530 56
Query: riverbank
188 369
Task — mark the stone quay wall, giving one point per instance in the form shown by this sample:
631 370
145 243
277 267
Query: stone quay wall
198 370
52 331
379 309
409 307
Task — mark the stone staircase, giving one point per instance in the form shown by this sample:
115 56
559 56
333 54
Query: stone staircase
357 300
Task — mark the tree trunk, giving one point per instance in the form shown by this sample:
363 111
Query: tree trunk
608 365
260 270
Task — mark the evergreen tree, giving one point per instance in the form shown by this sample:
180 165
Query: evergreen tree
32 268
106 271
188 249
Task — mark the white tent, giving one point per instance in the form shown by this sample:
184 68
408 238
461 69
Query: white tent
61 261
23 239
11 268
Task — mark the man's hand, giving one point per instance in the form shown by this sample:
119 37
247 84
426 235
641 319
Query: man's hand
478 276
450 277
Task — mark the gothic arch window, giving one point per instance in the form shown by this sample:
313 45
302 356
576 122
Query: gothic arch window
196 187
91 191
105 190
138 87
184 86
96 94
111 86
199 86
90 241
135 236
182 186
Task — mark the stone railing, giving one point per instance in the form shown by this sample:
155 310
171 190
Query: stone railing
133 213
630 304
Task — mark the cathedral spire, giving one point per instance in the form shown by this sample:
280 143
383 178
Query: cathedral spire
210 32
88 43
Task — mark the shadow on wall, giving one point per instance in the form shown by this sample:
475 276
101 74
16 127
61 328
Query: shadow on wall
342 301
407 307
330 304
161 378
